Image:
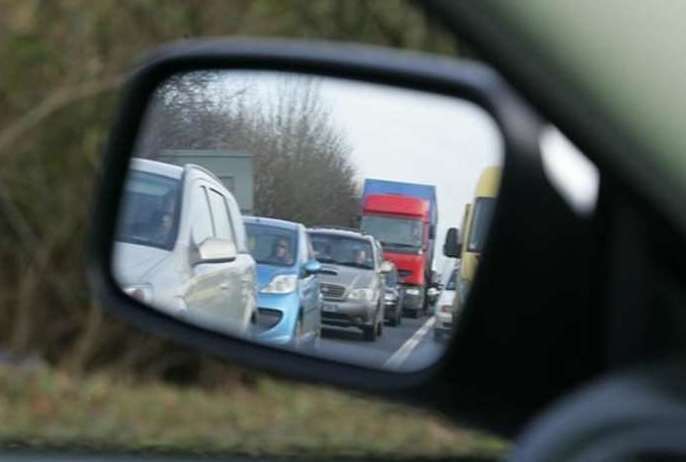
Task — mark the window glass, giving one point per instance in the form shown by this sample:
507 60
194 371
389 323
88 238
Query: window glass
342 250
202 220
150 210
271 245
399 234
483 213
220 214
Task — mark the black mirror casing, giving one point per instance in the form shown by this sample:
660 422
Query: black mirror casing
459 384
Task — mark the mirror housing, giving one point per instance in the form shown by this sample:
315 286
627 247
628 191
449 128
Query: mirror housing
215 251
469 393
386 267
451 247
312 267
432 292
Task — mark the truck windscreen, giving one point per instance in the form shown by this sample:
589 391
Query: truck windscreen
483 213
404 234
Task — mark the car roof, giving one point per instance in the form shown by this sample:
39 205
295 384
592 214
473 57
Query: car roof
275 222
156 167
340 232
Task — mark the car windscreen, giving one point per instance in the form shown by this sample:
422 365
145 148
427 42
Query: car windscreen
150 210
342 250
481 222
271 245
400 233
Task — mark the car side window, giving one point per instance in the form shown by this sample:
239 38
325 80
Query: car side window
220 214
202 228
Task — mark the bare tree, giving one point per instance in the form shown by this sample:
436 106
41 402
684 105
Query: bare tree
301 157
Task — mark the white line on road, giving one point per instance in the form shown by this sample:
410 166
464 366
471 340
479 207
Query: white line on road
399 357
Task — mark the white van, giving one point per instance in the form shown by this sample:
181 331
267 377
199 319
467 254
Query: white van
181 247
444 308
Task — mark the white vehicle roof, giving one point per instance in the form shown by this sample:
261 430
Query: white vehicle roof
153 166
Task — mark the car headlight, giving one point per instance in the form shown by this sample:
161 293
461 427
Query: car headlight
412 291
281 284
390 297
361 294
141 292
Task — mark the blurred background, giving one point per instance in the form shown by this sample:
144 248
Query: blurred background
69 374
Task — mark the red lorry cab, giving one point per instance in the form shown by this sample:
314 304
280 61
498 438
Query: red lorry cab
401 224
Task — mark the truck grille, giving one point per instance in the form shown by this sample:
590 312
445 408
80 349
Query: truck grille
331 291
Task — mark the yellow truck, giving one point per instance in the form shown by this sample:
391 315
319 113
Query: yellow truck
468 245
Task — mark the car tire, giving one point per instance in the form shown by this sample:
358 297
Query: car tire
379 328
398 317
369 333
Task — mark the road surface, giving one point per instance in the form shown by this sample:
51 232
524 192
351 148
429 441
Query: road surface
407 347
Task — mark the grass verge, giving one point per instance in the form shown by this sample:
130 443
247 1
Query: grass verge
44 407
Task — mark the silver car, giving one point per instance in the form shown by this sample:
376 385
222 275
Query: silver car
181 246
352 279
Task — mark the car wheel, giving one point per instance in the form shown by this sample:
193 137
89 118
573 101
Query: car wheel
398 317
393 321
379 328
369 332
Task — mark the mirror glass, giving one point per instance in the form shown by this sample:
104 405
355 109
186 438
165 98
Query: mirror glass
309 213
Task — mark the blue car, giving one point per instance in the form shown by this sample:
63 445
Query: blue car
288 297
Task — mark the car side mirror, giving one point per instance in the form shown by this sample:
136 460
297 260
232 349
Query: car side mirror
451 247
455 94
216 251
312 267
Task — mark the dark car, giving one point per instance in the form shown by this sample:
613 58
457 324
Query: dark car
393 298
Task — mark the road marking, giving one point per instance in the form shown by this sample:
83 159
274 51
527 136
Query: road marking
399 357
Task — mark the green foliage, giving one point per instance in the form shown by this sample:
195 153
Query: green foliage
42 407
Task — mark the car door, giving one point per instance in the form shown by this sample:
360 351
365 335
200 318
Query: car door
308 286
235 277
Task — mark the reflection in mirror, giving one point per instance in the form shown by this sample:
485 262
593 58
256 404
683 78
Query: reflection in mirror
309 213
